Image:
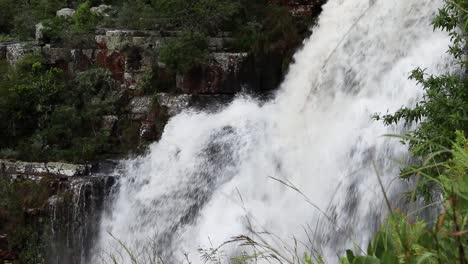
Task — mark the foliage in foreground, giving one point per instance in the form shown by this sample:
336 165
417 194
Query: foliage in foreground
440 145
443 110
403 239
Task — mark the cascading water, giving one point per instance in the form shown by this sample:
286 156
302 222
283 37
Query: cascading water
216 175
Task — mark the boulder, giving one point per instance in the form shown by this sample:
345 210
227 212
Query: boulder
65 12
40 32
54 55
301 8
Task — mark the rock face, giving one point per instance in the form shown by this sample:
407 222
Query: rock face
3 51
68 217
56 169
223 75
16 51
301 8
130 55
140 107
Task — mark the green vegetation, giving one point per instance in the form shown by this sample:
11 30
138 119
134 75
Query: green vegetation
255 26
73 31
403 239
444 108
45 117
18 18
441 147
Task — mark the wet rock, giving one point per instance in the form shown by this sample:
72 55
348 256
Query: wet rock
147 130
74 213
301 8
140 107
174 103
229 62
210 103
54 55
220 76
65 12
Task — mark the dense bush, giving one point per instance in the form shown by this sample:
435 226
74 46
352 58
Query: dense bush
84 20
20 17
45 117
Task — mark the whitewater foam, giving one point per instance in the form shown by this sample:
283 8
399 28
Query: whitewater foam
213 176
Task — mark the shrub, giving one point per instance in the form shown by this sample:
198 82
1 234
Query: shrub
84 21
20 17
47 118
55 29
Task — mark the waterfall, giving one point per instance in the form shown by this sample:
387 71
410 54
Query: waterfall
213 176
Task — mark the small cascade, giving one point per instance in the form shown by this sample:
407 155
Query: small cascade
74 213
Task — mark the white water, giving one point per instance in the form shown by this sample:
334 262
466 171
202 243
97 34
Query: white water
210 172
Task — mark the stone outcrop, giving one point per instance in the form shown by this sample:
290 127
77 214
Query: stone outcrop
69 215
65 12
57 169
301 8
15 51
131 54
